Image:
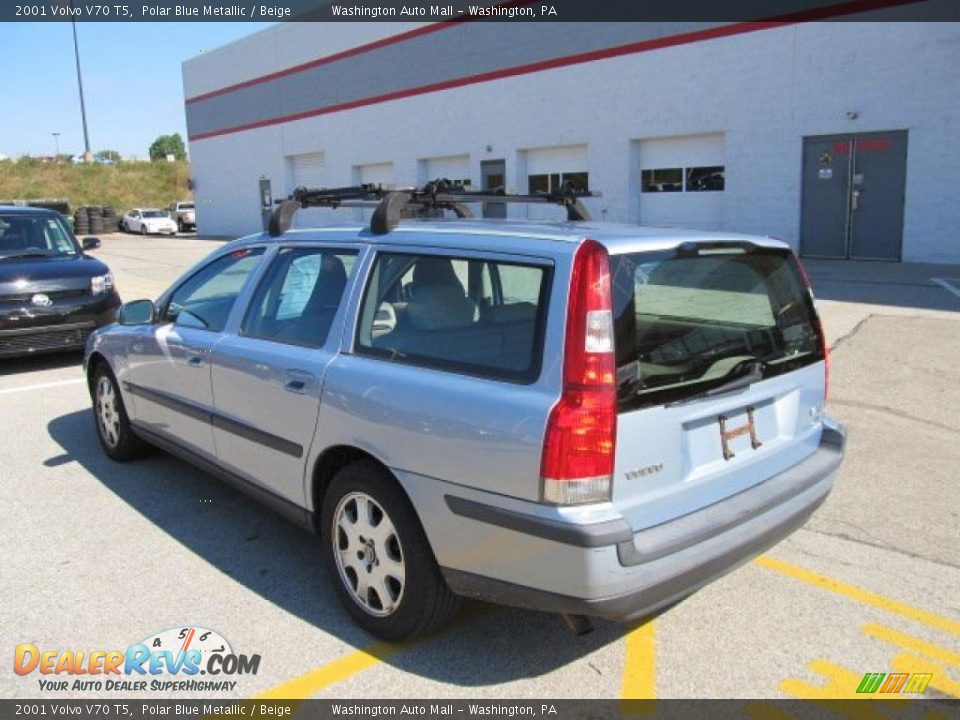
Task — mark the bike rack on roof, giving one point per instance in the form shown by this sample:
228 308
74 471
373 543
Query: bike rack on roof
429 201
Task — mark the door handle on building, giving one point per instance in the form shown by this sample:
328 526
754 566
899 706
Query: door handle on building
856 200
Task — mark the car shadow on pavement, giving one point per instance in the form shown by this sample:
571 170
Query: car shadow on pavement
36 363
281 563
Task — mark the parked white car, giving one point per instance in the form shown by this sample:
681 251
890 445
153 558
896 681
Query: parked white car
148 221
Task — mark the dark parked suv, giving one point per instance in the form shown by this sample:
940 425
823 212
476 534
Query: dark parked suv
52 295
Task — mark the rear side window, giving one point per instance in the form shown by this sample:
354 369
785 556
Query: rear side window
690 320
299 295
477 317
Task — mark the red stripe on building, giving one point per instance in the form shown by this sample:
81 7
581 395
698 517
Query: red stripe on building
833 11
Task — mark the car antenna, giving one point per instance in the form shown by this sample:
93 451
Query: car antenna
390 205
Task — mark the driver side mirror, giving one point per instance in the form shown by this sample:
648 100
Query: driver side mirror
90 243
137 312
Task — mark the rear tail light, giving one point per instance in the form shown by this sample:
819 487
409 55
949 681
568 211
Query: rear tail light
580 441
816 316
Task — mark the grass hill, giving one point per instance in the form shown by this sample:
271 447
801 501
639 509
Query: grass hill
123 185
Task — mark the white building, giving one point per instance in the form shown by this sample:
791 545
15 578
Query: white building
842 138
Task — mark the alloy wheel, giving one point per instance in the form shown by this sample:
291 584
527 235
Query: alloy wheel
108 412
368 554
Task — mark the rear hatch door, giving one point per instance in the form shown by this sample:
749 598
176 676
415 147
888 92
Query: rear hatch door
719 371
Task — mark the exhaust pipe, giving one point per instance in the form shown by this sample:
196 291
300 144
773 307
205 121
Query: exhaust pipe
578 624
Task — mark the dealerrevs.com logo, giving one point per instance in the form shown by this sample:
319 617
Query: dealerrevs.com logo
169 661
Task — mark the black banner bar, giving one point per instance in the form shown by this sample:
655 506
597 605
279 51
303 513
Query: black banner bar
476 11
192 709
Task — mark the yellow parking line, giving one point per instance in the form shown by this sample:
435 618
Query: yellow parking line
905 662
841 683
312 682
909 642
859 594
640 663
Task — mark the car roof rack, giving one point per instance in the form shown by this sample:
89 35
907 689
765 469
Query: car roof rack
390 205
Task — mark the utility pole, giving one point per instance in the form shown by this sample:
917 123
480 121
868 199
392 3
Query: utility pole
87 155
56 144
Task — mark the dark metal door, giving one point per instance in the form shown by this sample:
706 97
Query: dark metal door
877 195
494 177
826 198
853 193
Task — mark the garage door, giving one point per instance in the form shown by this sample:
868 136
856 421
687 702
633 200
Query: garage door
373 174
548 168
682 181
449 167
307 170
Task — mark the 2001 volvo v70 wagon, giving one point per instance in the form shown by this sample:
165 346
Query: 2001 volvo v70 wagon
583 418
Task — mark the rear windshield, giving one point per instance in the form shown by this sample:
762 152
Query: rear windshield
692 319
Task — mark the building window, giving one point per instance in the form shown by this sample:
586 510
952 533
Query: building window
705 179
691 179
662 180
544 184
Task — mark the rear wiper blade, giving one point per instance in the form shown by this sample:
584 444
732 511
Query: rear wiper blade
752 372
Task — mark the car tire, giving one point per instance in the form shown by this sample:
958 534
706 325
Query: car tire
180 226
116 436
385 548
143 229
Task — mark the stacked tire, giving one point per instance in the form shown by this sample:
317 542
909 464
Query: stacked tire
81 222
96 219
111 223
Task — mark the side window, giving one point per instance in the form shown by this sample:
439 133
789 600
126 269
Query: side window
299 295
519 284
205 299
447 313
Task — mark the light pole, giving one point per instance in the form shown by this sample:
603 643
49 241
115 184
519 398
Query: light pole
87 155
56 144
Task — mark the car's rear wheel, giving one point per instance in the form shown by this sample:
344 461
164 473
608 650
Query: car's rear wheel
113 425
378 556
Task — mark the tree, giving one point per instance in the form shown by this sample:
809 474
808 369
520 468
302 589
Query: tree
168 145
108 156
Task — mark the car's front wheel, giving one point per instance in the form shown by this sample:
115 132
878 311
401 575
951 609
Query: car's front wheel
113 425
378 556
143 229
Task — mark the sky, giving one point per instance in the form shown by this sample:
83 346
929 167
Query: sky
132 83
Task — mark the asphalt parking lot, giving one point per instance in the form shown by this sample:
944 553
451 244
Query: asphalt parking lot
99 555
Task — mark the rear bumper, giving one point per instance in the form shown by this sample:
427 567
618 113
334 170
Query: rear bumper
628 575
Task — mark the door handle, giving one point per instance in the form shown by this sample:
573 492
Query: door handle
856 199
297 381
195 361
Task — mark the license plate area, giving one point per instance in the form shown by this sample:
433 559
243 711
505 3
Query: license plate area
737 426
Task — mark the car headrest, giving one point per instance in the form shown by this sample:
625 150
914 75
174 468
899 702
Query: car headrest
435 271
436 307
514 313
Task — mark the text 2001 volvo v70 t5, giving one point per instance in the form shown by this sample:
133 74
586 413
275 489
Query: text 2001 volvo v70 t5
582 418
